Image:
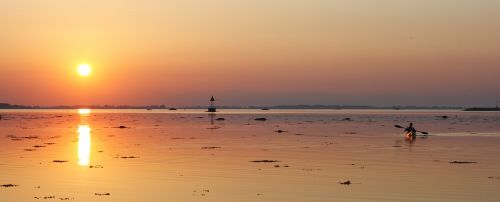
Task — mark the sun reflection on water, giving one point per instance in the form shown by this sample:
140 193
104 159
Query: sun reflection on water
84 111
83 145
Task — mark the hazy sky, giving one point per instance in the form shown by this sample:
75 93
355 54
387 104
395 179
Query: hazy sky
255 52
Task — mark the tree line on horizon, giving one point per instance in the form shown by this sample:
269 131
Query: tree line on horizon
11 106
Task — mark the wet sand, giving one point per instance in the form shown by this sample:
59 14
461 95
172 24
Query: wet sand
294 155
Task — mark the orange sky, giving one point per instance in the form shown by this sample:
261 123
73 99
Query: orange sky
258 52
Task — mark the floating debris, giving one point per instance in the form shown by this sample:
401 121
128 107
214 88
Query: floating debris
345 182
38 146
299 134
44 197
9 185
264 161
121 127
220 119
211 147
347 119
311 169
22 137
202 192
280 131
260 119
96 166
129 157
60 161
29 149
102 194
463 162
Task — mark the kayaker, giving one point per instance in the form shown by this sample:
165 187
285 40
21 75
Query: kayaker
411 132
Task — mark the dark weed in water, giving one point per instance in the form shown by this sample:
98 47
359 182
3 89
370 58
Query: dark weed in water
211 147
129 157
462 162
264 161
9 185
44 197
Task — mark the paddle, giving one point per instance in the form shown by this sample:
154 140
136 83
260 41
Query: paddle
423 132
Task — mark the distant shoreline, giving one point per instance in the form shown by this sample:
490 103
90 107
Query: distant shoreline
338 107
483 109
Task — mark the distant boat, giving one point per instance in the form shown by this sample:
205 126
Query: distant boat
149 108
171 108
265 108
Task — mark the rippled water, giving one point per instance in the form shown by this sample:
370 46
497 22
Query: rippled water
189 155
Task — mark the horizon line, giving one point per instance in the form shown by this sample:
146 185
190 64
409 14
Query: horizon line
279 106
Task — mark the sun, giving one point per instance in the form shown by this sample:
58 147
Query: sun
84 70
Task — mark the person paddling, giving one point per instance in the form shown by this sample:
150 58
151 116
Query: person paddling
411 132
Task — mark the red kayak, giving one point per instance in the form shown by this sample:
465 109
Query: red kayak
411 136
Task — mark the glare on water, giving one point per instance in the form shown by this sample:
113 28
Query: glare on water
83 145
84 111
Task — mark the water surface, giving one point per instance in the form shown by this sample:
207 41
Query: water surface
189 155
